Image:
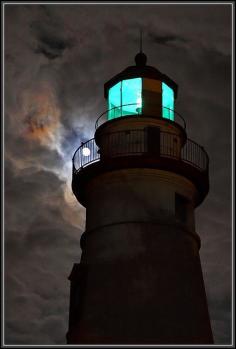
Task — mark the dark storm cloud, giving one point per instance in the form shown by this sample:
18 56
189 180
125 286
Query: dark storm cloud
50 43
166 39
51 47
59 57
33 284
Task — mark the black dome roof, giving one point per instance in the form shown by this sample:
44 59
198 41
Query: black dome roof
140 70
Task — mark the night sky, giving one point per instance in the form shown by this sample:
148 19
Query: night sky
57 58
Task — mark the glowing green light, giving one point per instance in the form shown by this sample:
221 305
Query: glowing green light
114 101
126 98
167 102
132 95
123 93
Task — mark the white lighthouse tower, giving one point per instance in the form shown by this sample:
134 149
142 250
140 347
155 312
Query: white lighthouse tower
140 179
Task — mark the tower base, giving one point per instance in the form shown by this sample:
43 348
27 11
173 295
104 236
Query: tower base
153 295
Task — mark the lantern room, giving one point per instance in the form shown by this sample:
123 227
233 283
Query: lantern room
141 90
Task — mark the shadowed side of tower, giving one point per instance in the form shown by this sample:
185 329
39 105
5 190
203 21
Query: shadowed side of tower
139 280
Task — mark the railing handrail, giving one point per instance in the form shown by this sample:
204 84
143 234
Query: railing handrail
196 156
138 113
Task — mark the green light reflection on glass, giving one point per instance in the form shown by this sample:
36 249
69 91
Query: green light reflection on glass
123 93
131 94
114 101
167 102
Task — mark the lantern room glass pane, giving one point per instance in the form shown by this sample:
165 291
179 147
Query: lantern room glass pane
114 101
167 102
125 98
131 96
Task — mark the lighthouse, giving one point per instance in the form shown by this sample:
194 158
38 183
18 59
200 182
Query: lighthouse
139 280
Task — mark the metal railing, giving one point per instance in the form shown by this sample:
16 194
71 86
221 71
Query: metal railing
119 111
137 142
88 152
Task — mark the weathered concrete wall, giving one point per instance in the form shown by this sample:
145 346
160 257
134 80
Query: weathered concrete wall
140 278
139 122
141 284
140 195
